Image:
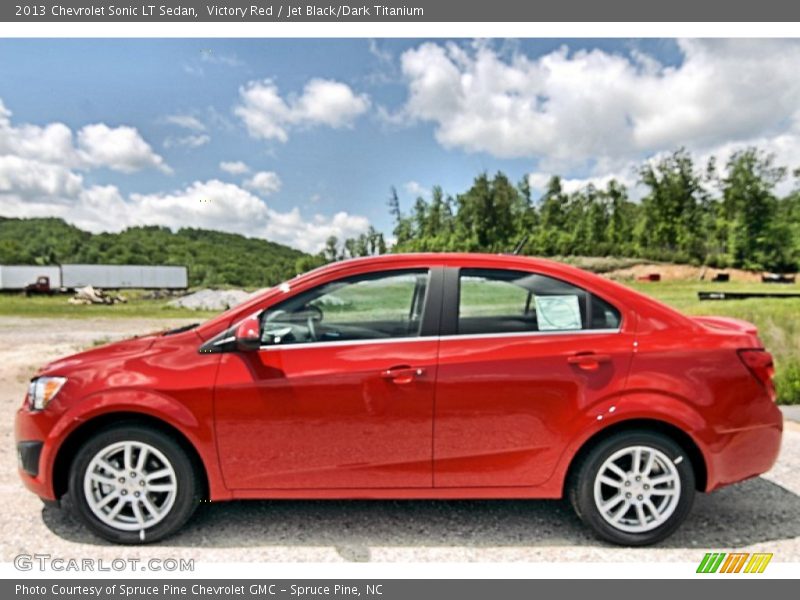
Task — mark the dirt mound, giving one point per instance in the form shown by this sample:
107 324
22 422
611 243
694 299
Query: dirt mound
671 272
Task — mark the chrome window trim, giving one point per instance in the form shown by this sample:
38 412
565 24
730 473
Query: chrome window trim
428 338
477 336
416 338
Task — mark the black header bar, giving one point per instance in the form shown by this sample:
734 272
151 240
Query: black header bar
255 11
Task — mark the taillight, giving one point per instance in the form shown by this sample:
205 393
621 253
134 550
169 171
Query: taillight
761 366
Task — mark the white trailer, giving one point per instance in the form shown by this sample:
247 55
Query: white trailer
16 277
124 276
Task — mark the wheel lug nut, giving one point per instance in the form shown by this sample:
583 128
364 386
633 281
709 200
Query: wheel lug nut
627 483
133 474
647 487
638 478
122 480
640 497
141 482
136 494
628 495
124 492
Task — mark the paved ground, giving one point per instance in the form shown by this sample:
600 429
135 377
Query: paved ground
760 514
791 413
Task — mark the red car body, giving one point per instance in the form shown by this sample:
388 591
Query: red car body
434 416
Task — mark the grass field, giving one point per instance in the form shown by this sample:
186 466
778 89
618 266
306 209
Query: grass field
18 305
778 320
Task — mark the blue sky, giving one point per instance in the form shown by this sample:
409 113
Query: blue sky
325 127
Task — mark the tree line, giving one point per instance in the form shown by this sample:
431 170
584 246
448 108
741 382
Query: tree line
213 258
728 216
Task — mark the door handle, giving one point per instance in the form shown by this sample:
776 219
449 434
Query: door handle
588 361
402 374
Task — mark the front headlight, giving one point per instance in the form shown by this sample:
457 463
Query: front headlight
43 389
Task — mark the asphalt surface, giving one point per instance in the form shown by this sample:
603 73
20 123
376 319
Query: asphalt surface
761 514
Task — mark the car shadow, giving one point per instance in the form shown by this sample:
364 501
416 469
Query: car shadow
752 512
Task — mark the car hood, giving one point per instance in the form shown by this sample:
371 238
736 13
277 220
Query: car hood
116 350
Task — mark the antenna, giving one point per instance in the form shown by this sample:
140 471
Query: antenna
520 245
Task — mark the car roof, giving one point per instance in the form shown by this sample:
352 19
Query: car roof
445 259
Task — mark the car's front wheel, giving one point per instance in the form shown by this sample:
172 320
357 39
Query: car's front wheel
634 488
133 484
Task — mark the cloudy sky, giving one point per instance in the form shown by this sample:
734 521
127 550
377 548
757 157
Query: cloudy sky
296 140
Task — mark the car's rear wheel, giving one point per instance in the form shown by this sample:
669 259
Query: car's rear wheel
634 488
133 484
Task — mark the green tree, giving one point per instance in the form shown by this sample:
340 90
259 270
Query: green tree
403 231
757 238
672 211
331 251
552 236
621 219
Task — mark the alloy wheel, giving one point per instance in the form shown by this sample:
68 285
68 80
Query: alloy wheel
637 489
130 485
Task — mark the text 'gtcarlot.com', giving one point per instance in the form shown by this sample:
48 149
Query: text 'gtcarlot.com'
45 562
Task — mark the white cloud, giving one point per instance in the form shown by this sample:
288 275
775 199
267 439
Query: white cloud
383 55
601 109
38 179
187 141
216 58
268 116
218 205
52 143
202 204
119 148
97 145
264 183
186 121
291 228
416 189
97 208
197 136
538 181
194 70
234 167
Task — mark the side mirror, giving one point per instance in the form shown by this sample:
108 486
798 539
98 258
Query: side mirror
248 335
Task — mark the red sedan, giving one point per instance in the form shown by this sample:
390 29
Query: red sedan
410 376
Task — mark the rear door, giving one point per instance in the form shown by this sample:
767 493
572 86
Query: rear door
521 356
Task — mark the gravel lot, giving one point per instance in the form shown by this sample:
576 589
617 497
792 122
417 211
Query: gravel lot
758 515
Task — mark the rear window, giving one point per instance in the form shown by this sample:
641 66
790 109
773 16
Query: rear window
504 301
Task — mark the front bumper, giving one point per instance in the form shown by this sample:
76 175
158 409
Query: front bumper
35 451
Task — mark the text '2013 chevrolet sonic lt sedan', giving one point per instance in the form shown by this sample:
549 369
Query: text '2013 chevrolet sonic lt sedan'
410 376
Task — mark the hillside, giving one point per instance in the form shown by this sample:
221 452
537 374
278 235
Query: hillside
213 257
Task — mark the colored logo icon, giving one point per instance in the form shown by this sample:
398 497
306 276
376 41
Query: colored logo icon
734 562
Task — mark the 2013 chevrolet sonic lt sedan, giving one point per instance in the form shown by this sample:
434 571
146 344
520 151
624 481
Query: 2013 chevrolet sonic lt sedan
410 376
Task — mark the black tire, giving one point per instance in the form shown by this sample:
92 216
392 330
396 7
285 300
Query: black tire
187 496
581 487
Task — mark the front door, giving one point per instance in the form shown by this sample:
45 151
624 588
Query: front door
340 394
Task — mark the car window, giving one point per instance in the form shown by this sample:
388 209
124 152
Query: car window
366 307
604 316
504 301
